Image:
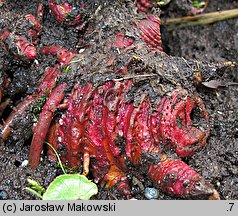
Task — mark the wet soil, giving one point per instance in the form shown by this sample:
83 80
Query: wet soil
214 43
199 50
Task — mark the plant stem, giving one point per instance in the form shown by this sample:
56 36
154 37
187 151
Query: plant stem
201 19
58 157
34 192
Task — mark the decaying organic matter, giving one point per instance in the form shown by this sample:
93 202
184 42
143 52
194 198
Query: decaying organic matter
110 107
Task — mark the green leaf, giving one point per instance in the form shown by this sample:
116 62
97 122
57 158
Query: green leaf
70 187
198 4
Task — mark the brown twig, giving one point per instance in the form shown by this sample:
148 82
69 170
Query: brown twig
201 19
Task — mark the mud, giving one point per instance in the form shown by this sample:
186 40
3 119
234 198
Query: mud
197 50
214 43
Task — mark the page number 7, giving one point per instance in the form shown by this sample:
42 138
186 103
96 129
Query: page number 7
231 206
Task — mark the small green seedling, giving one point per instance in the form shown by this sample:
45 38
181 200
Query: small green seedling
197 4
64 187
37 109
36 119
35 188
41 100
66 70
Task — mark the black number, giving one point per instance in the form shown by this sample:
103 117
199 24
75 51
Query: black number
232 204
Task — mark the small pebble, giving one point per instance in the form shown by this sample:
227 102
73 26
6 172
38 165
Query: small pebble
151 193
24 163
36 62
81 50
3 195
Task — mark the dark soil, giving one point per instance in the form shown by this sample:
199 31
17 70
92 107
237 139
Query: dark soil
214 43
197 51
